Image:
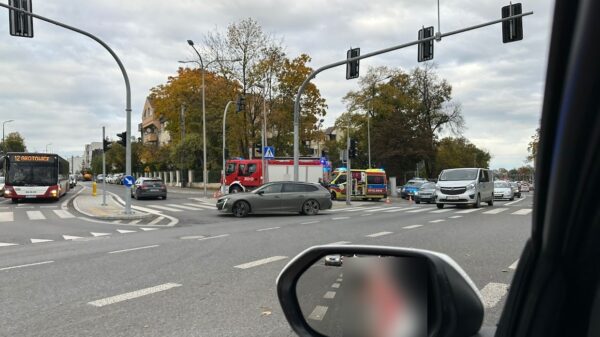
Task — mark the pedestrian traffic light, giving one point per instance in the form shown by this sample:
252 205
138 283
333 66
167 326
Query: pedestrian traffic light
512 30
352 153
122 138
241 103
425 48
20 24
352 67
106 144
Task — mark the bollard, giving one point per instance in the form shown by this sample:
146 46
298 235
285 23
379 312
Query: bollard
94 188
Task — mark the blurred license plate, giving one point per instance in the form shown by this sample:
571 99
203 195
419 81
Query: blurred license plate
30 196
153 190
452 197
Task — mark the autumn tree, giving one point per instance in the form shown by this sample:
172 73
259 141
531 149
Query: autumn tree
459 152
532 147
13 142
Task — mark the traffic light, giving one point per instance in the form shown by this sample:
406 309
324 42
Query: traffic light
20 24
241 103
122 138
352 152
512 30
257 148
425 48
353 66
106 144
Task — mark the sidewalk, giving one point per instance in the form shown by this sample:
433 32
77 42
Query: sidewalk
91 206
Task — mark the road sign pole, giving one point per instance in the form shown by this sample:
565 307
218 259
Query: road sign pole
348 168
103 168
125 78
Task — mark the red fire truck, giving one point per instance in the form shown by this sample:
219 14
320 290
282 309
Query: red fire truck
247 174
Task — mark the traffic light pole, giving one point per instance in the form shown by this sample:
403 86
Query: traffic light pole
103 168
375 53
348 168
125 78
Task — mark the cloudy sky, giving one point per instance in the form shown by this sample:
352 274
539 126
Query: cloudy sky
61 87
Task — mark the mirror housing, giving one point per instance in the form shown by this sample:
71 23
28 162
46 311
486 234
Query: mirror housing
260 192
455 307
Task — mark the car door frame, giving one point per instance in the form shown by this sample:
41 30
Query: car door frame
556 280
267 202
292 201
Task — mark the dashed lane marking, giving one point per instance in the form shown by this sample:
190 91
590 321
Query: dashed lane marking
436 221
40 240
213 237
26 265
71 237
267 229
441 210
35 215
260 262
125 231
99 234
523 211
455 216
374 235
318 313
132 249
341 218
146 229
492 293
329 295
412 226
7 244
367 214
309 222
335 285
495 211
133 294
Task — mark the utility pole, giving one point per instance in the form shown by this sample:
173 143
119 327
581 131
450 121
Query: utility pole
223 185
349 169
182 127
103 168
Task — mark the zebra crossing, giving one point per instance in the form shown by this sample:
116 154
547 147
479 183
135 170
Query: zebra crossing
35 215
199 205
424 209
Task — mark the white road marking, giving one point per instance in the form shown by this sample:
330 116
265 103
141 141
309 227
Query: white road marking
455 216
71 237
492 293
374 235
133 294
356 209
61 213
132 249
420 209
267 229
99 234
523 211
441 210
26 265
40 240
309 222
202 200
260 262
6 244
164 208
495 211
125 231
214 237
134 222
48 206
201 207
341 218
367 214
6 216
329 295
339 280
470 210
117 222
514 202
335 285
339 243
35 215
146 229
412 226
400 209
318 313
513 266
377 209
155 221
436 221
189 208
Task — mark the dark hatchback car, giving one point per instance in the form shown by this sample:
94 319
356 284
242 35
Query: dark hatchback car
426 193
149 188
276 197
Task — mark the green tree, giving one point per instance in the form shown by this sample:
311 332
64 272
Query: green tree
13 142
459 152
532 147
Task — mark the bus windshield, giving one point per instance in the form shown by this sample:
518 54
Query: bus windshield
32 174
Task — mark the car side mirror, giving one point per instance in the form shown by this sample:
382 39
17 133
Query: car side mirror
260 192
346 290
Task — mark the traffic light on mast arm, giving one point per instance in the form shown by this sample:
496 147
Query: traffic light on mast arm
241 103
106 145
122 138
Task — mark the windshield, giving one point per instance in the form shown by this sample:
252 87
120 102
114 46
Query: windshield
454 175
501 184
413 183
32 174
1 180
428 186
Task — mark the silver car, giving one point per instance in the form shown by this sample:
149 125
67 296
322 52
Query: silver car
503 190
303 198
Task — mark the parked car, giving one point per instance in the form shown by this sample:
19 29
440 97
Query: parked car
149 188
333 260
464 186
411 187
524 187
503 190
119 178
304 198
426 193
100 178
516 189
72 180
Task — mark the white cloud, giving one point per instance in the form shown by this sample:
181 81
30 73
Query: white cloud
61 87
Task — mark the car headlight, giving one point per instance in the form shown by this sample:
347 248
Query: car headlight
416 193
470 186
225 201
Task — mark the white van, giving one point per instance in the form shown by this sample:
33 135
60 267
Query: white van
463 186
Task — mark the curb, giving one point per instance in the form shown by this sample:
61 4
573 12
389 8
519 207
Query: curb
108 217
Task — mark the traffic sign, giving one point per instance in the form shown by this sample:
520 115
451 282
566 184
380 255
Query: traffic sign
128 181
269 152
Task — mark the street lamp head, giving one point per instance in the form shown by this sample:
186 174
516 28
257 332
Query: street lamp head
190 42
